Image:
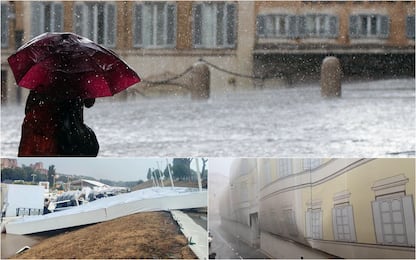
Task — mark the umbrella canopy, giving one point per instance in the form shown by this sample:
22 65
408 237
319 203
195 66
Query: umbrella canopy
67 65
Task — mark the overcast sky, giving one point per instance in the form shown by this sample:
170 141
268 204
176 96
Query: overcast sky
116 169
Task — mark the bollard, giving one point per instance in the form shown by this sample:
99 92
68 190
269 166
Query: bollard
200 78
331 74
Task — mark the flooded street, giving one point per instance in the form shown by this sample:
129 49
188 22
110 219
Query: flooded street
372 119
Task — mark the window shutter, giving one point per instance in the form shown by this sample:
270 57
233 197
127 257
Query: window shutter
260 24
320 224
334 223
308 223
79 19
292 26
410 27
333 26
221 24
301 26
197 24
171 26
350 215
377 221
384 26
58 17
110 24
36 19
231 24
354 26
137 23
409 219
4 25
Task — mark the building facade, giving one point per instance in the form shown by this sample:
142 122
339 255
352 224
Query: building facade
261 41
349 208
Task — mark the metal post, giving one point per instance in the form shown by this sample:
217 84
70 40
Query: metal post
170 174
198 174
160 174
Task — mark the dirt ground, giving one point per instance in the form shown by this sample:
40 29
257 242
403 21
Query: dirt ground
142 235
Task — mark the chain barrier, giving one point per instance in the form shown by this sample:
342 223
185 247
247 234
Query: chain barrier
230 72
169 81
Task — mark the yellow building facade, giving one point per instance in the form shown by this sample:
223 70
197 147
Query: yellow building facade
350 208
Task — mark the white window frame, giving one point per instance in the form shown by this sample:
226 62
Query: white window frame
394 225
140 31
321 24
4 25
296 26
357 22
212 42
269 25
285 167
343 223
313 219
88 15
38 17
389 193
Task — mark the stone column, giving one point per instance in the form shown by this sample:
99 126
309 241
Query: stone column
331 74
200 81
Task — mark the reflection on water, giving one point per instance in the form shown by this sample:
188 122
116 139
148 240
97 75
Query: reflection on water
372 119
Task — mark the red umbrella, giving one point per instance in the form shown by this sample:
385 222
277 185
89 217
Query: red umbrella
68 65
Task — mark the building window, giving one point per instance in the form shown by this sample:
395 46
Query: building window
320 25
46 17
267 175
285 167
310 164
214 25
96 21
393 212
410 27
290 26
273 26
4 25
343 223
154 25
314 223
394 220
369 26
290 221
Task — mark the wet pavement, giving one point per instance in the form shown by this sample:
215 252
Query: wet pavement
10 244
371 119
226 246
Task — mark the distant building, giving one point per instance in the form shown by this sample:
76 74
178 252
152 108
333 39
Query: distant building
8 163
273 40
38 166
350 208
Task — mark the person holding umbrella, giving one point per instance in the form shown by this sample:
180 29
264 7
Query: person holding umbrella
64 72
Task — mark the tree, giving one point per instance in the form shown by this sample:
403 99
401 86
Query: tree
51 175
182 168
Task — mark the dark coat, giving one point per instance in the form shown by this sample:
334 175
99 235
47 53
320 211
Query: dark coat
56 128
